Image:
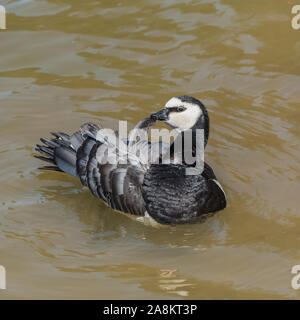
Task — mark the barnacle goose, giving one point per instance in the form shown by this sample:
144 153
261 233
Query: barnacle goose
159 191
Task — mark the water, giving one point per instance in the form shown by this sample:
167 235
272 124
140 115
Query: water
66 62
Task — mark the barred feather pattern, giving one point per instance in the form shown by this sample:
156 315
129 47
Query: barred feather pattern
88 155
131 184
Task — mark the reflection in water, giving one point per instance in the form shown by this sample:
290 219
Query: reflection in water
101 218
63 64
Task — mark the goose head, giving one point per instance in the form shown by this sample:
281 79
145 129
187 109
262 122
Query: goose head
183 113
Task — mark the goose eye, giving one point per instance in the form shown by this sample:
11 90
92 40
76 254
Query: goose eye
180 109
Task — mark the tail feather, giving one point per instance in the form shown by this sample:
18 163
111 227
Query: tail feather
87 154
76 140
89 130
49 143
45 150
63 151
59 152
65 159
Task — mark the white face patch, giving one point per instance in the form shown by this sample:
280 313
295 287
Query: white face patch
186 119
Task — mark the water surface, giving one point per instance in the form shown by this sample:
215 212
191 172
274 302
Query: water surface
65 62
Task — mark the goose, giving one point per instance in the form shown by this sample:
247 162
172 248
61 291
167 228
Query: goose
163 192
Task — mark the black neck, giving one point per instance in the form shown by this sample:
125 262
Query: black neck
202 123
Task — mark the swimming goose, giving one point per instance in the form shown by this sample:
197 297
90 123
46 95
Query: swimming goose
161 191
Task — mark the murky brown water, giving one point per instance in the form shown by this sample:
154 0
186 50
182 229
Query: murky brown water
65 62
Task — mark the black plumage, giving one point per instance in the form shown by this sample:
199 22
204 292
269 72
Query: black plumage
163 191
